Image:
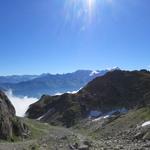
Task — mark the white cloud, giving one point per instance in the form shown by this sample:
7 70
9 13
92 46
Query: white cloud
21 104
58 93
69 92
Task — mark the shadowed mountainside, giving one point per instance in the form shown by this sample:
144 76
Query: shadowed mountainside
117 89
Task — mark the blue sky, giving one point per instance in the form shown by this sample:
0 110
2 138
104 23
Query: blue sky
58 36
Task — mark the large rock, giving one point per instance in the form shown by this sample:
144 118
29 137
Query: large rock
10 125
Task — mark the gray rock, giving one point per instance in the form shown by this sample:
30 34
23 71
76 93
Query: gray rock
10 125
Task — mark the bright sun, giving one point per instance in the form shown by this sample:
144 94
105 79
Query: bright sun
90 4
84 11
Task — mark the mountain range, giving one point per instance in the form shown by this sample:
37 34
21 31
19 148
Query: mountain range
110 112
37 85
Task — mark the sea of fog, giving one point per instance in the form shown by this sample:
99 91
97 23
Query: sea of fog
21 104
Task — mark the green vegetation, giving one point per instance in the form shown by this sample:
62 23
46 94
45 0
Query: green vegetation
37 128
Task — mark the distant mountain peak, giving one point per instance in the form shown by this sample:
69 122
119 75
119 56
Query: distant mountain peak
116 68
94 72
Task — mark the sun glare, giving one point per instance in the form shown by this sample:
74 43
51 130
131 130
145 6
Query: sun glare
84 11
90 3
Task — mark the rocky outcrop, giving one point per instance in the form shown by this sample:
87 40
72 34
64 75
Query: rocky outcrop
115 90
10 125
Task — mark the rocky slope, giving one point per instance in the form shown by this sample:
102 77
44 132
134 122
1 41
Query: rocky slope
115 90
11 127
123 132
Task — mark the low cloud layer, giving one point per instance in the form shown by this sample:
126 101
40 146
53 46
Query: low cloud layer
69 92
21 104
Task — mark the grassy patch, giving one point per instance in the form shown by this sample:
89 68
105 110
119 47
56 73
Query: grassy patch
37 128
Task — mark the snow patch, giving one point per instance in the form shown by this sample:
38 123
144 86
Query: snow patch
113 68
58 93
94 73
145 123
99 118
40 117
97 115
107 116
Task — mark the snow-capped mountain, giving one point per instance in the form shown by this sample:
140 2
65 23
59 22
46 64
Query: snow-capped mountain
94 72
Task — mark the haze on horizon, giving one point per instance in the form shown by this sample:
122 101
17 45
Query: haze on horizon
63 36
